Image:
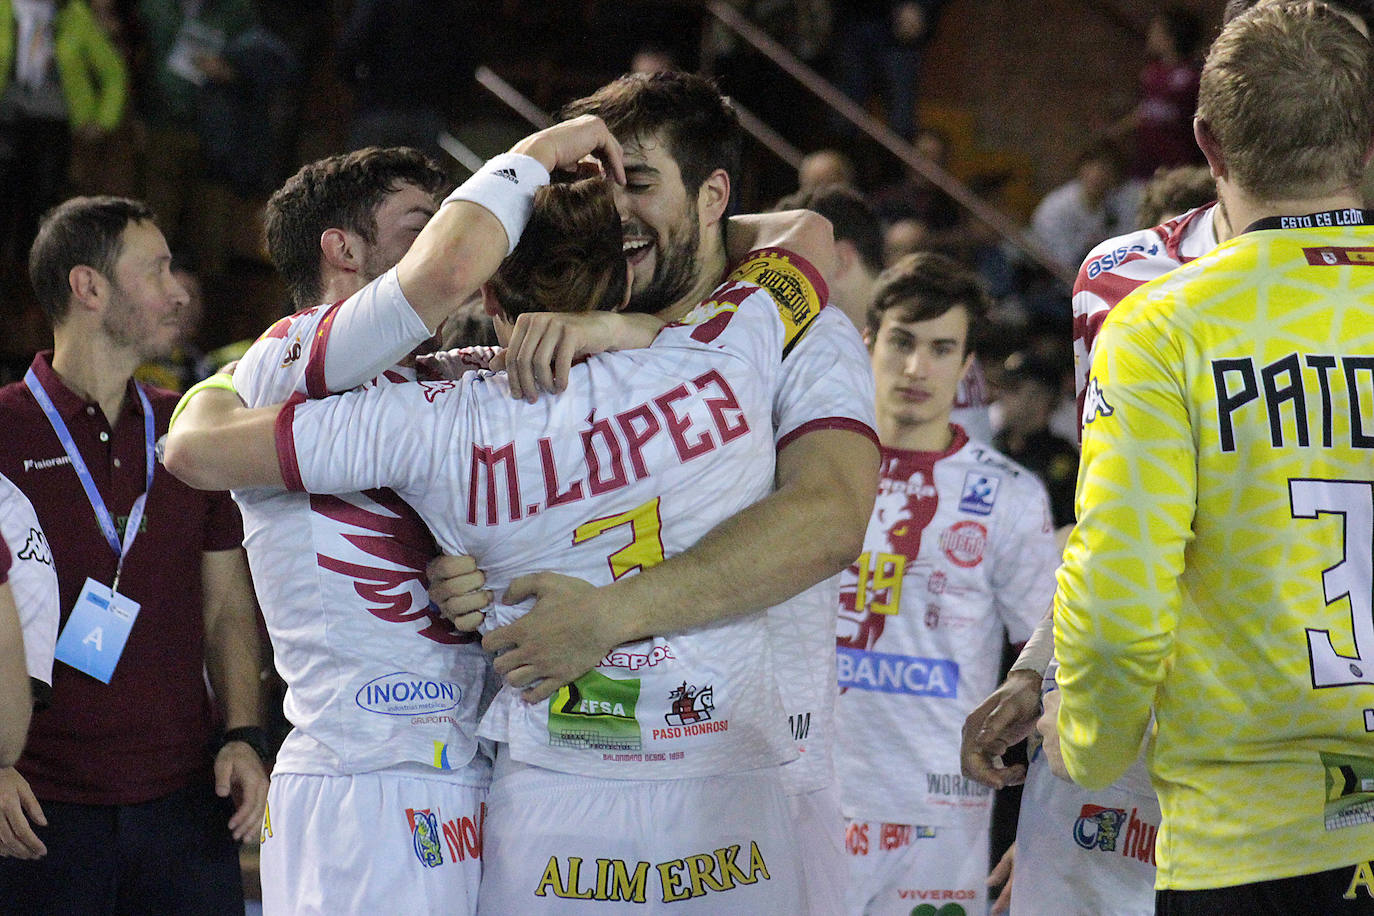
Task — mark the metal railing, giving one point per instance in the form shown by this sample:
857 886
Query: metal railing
817 85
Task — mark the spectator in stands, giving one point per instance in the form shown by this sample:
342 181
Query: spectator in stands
1162 122
878 46
825 167
652 57
407 60
1077 215
187 41
858 245
1030 388
1174 191
60 75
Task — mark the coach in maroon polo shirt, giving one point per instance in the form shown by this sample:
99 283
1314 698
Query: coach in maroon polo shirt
113 806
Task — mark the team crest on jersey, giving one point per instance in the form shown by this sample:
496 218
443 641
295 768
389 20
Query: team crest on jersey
964 542
690 704
425 838
1098 827
796 296
36 548
293 353
980 493
1095 402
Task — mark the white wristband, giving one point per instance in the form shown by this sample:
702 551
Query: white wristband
505 185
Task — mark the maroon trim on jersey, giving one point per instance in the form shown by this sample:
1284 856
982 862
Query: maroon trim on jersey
314 367
286 444
845 423
4 561
1174 230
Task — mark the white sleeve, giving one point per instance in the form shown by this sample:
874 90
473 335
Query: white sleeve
32 579
827 382
331 348
1026 558
396 436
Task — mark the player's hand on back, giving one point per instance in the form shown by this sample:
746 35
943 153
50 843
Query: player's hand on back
1002 876
1004 718
566 634
543 346
456 586
18 807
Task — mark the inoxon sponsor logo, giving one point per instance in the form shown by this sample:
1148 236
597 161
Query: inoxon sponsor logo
404 694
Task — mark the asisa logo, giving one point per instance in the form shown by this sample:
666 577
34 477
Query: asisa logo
424 834
404 694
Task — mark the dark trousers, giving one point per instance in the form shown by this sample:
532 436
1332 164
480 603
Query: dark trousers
173 855
1345 891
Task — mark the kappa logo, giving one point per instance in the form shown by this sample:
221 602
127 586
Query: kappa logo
36 548
1095 403
690 704
508 174
980 493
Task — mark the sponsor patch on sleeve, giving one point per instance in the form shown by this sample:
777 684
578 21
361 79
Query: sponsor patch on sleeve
796 288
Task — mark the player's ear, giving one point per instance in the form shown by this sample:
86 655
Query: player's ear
337 249
87 285
490 304
713 197
1207 142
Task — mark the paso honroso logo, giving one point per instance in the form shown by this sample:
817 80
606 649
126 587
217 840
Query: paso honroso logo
404 694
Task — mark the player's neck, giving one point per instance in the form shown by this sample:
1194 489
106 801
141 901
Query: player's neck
336 285
929 436
93 367
1240 210
711 266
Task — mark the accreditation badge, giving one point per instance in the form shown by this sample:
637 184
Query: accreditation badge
94 637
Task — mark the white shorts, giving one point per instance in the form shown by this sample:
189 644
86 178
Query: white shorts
372 843
565 845
895 869
820 836
1081 853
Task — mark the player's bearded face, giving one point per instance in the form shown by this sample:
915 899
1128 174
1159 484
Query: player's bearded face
675 262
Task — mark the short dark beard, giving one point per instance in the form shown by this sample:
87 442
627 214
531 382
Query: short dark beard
675 272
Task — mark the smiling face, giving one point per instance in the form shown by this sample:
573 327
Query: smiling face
661 225
145 311
917 366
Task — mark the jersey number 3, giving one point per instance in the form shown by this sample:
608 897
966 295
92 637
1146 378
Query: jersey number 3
1352 578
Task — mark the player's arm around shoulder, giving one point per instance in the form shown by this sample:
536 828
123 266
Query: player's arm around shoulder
216 443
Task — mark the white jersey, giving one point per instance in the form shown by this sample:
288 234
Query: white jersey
644 453
826 383
1119 265
32 579
959 548
375 676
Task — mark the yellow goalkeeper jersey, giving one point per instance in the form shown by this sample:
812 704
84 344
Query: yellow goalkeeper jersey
1220 571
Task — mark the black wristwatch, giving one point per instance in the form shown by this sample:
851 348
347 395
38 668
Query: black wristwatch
251 735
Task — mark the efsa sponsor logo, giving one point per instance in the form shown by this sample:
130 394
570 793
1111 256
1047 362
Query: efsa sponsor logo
404 694
884 673
1098 827
596 712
